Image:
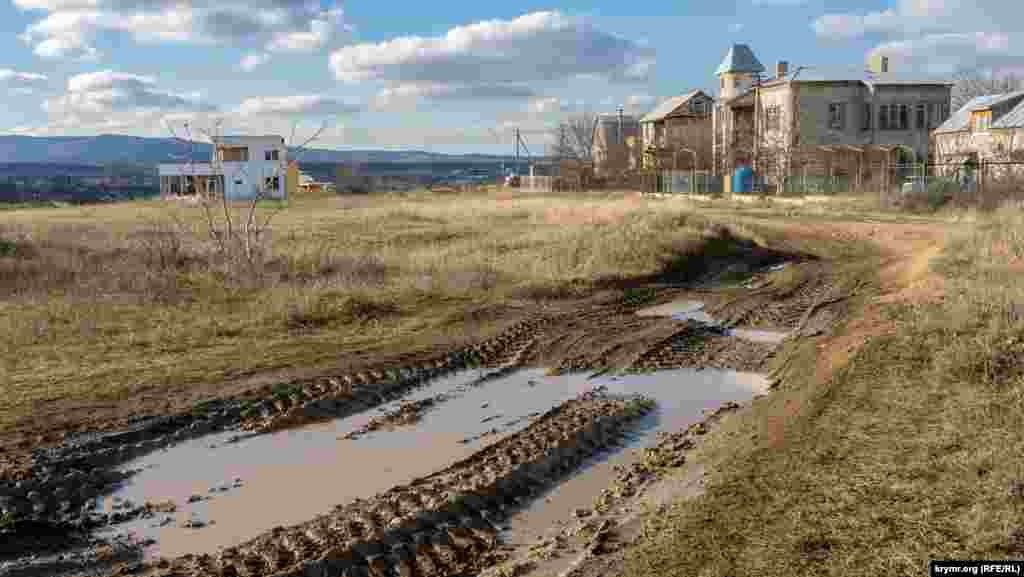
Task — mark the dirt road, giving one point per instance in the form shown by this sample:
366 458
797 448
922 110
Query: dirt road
831 299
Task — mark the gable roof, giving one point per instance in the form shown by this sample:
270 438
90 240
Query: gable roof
1014 118
740 58
960 119
669 106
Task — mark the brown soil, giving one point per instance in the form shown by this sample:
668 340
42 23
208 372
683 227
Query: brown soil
904 277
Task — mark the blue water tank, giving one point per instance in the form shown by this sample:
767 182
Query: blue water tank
743 179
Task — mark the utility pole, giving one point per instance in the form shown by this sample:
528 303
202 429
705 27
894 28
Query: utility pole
517 151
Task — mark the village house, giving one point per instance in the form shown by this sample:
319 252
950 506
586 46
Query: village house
616 143
677 133
987 128
240 167
831 121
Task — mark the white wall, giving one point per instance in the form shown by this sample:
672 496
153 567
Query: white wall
243 179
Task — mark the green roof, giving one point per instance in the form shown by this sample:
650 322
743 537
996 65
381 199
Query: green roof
740 58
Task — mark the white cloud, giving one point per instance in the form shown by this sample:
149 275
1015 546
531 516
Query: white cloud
24 78
548 105
307 104
636 103
115 101
845 26
494 57
254 60
70 27
402 93
938 36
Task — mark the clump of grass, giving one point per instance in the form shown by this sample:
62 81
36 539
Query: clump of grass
8 520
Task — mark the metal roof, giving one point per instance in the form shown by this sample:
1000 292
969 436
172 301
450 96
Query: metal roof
667 107
1012 119
961 118
839 73
245 137
740 58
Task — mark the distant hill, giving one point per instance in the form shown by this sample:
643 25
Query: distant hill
109 148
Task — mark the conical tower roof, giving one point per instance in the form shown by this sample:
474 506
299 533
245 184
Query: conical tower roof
740 58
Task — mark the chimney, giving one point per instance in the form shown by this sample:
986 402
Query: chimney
781 69
885 64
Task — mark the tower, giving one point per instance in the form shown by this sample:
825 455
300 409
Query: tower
737 70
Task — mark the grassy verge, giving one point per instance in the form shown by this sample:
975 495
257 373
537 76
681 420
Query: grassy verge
908 453
104 304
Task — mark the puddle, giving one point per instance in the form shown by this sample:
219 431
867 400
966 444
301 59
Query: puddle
685 310
226 493
684 396
292 476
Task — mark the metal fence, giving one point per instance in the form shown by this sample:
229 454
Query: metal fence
985 184
537 183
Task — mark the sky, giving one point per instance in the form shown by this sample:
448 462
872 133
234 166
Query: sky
454 76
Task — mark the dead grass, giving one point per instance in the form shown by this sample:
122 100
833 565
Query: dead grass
110 303
908 452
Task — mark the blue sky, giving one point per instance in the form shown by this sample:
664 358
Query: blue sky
454 76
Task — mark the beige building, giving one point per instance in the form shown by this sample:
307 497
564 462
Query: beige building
988 128
615 143
833 119
677 133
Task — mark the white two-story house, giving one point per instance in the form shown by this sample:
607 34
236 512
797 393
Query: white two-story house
242 167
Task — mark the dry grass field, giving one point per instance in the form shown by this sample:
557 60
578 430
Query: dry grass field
894 443
892 440
128 307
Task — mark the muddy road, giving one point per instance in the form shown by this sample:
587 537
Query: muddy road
445 465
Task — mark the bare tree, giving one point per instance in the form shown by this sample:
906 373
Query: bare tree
574 137
970 83
232 227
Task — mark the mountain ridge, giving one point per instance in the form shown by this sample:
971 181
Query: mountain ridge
106 149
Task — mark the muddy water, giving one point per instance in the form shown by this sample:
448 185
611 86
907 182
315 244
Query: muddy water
292 476
683 397
684 310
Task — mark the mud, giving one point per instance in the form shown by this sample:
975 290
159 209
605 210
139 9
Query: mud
440 524
590 544
60 485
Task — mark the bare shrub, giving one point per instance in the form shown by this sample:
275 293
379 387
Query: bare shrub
321 310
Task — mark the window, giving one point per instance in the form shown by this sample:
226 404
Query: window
234 154
921 117
271 155
837 116
271 183
883 117
904 117
772 115
866 117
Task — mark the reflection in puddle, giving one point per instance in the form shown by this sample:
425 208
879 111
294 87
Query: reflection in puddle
227 493
683 397
685 310
292 476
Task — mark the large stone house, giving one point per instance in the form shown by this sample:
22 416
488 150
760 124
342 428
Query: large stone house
677 133
833 120
987 128
615 143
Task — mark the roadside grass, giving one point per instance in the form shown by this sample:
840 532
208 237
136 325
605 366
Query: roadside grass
908 453
108 303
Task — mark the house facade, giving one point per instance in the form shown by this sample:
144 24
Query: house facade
242 167
677 133
615 142
822 116
987 128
